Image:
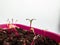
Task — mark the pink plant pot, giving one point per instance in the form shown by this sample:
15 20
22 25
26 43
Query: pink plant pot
51 35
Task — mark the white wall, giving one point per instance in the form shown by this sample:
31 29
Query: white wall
45 11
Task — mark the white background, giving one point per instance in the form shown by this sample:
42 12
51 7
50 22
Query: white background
46 13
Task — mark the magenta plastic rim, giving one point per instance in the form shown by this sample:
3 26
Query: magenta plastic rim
51 35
